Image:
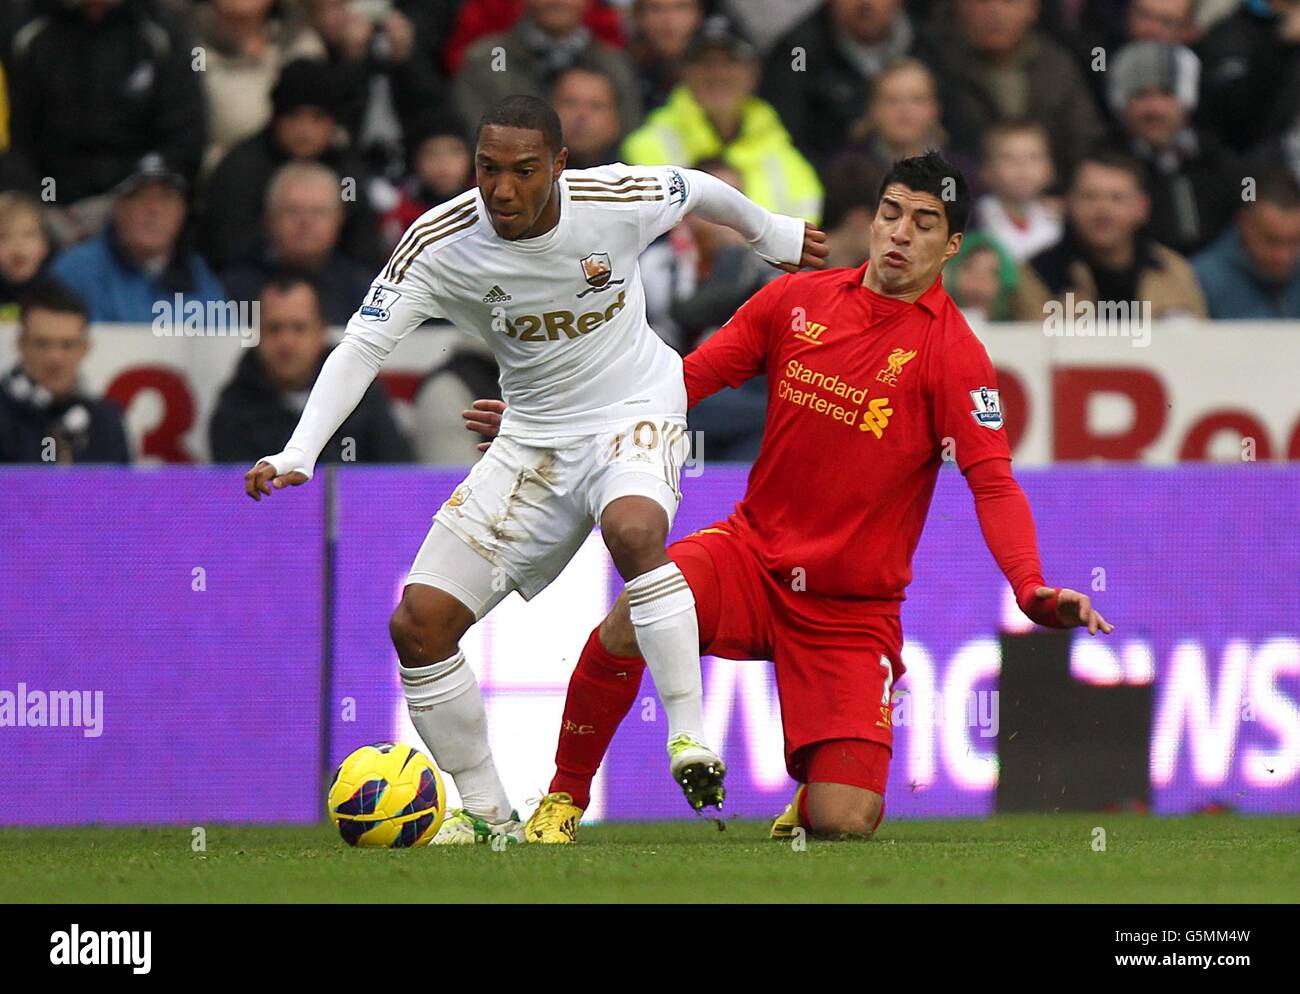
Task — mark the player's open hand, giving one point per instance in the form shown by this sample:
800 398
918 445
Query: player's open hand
1076 610
815 251
259 480
484 418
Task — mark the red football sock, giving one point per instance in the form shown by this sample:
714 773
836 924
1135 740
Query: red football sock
601 693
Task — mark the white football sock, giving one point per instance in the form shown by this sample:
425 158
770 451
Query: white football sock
668 635
446 707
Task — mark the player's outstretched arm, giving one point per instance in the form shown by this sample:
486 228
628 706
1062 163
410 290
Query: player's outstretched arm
383 319
789 243
1008 527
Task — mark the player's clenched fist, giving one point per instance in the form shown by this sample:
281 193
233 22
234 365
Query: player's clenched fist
815 251
259 480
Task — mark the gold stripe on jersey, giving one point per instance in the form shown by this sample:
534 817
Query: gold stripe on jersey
468 220
652 187
412 237
631 198
611 184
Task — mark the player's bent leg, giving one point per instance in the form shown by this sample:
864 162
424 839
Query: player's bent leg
602 690
839 811
662 610
843 796
427 625
448 589
635 530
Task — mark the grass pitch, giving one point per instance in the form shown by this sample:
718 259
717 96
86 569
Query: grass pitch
1208 858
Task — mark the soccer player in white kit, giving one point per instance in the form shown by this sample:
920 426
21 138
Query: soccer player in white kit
542 264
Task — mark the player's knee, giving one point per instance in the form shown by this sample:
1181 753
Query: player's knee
635 540
427 625
855 815
616 632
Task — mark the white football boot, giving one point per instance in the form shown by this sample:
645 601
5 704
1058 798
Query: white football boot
463 829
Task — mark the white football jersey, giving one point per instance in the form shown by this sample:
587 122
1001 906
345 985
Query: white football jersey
564 313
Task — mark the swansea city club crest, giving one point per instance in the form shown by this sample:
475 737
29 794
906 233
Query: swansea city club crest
598 271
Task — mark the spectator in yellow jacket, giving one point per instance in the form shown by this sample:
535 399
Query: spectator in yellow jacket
714 114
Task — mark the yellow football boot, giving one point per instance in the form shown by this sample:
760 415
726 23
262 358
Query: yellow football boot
555 822
784 824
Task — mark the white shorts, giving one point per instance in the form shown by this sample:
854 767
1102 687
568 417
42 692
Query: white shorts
527 506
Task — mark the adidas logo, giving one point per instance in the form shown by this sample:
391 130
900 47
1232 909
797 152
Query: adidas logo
495 296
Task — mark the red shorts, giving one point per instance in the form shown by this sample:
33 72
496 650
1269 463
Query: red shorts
835 662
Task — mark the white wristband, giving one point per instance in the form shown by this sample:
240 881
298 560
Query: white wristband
782 240
289 461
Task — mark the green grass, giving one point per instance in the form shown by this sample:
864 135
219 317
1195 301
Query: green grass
1208 858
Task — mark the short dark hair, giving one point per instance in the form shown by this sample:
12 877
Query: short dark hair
285 281
1115 158
51 295
529 113
585 64
1277 186
931 173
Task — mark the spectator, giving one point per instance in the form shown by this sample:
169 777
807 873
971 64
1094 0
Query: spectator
142 259
304 219
549 38
245 47
441 167
1169 22
714 114
477 19
1251 60
851 186
24 249
466 371
661 34
1197 180
845 45
1017 169
1253 270
95 85
1106 255
997 67
304 127
385 80
257 410
45 415
902 117
586 99
982 279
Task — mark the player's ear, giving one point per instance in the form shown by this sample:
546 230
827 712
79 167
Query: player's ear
561 160
954 246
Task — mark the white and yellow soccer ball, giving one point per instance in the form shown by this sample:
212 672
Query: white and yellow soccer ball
387 796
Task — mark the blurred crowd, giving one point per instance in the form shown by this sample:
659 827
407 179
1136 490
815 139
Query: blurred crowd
275 151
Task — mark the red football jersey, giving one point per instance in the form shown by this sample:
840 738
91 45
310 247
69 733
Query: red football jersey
867 396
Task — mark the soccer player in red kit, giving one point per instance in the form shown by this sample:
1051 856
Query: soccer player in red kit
874 377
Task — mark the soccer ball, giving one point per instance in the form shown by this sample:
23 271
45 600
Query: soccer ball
387 796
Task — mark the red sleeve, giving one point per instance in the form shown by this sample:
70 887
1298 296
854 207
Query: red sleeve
1008 527
967 407
737 351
